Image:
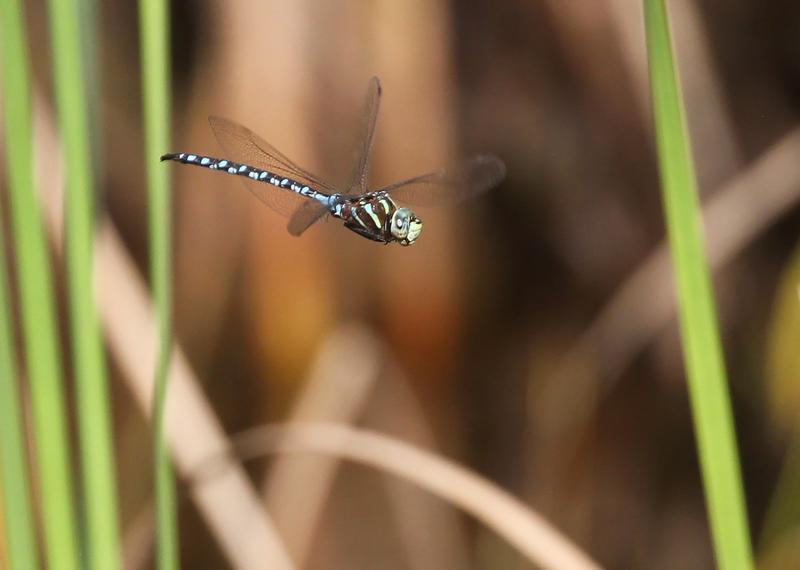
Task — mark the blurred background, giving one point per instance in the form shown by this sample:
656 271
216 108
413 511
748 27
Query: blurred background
529 335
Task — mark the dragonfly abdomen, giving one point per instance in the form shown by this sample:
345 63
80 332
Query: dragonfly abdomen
240 169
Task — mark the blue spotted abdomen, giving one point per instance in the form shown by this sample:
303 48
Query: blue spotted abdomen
257 174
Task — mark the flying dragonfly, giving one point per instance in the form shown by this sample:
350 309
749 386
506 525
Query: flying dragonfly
305 199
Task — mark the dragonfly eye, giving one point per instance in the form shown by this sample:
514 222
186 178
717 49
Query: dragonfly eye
399 224
405 226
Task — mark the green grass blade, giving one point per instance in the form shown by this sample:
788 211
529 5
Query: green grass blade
711 408
94 418
153 24
36 298
14 476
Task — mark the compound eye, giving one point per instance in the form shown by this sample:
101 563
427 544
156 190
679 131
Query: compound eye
399 223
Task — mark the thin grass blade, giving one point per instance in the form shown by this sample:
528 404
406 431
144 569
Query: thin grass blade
154 26
702 348
39 325
94 418
20 531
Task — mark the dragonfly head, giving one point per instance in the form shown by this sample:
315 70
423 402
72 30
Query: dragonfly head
405 226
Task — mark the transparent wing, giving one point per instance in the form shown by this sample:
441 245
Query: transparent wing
309 213
243 145
468 179
366 133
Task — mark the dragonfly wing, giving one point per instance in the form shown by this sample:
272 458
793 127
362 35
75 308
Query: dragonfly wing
251 149
450 186
243 145
369 118
306 216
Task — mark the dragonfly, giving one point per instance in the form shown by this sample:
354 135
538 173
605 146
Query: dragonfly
306 199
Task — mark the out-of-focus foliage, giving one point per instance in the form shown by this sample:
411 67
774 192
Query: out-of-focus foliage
784 553
783 356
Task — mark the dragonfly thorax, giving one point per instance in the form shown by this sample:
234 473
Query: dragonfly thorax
376 217
405 226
